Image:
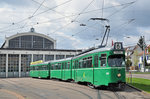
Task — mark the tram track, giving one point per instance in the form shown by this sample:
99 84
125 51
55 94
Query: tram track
118 96
61 89
98 91
98 94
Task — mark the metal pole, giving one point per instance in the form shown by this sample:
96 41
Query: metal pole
144 54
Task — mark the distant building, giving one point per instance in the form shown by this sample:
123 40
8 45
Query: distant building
130 55
147 56
20 49
129 52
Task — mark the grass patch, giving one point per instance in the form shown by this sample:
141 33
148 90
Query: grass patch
143 84
139 72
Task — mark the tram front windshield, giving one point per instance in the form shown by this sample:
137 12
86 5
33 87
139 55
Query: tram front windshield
116 61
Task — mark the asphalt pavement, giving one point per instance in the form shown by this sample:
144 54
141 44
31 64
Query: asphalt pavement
145 76
31 88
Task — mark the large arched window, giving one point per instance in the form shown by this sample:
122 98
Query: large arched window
31 42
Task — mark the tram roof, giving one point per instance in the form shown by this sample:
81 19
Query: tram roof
66 59
90 52
94 51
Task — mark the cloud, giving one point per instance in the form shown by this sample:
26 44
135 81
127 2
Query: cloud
15 2
68 39
74 35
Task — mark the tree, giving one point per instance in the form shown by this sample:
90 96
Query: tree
146 64
128 63
149 49
135 58
141 43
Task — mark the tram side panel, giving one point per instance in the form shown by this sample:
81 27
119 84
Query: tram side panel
55 70
44 71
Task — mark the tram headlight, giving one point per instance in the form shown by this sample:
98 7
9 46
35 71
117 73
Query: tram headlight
119 75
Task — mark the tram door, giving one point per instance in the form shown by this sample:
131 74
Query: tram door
39 69
76 70
95 68
63 70
73 70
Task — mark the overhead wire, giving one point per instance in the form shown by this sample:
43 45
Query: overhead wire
38 14
87 27
70 15
61 28
83 10
33 14
75 15
53 7
120 9
49 8
74 20
128 4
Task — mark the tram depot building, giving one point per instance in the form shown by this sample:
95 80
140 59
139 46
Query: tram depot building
19 50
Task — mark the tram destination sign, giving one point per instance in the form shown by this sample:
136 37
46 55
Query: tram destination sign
118 52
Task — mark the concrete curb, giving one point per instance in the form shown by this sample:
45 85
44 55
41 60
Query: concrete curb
134 87
144 92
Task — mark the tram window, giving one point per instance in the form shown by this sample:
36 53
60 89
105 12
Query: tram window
63 66
96 61
55 67
103 60
44 67
33 68
84 64
89 62
68 65
73 65
81 63
76 64
116 60
41 67
59 65
52 66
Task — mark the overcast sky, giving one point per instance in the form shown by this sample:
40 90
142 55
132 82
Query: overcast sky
62 19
